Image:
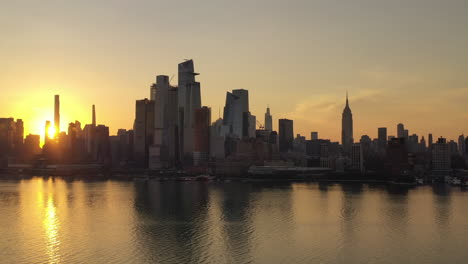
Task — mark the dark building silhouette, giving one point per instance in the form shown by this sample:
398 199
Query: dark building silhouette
347 128
57 115
286 135
189 99
143 131
382 137
31 147
201 146
397 158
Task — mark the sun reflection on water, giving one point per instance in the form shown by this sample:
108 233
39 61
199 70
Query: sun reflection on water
50 225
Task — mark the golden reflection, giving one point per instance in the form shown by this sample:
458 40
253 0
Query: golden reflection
50 225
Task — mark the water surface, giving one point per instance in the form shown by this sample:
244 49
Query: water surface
58 221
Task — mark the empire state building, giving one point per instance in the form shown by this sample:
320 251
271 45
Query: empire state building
347 128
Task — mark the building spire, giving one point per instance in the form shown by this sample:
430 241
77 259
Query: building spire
94 116
347 104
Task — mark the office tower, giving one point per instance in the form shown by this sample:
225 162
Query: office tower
268 120
347 128
19 136
218 133
314 135
357 159
102 144
441 156
461 145
400 130
286 135
57 115
422 145
31 146
201 146
94 116
252 126
153 91
7 136
236 114
143 128
189 99
47 129
430 141
163 152
382 136
406 134
397 157
453 147
158 151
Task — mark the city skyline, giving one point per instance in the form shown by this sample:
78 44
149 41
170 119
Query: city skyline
64 122
313 57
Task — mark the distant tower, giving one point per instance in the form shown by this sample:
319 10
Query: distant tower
57 115
189 99
94 115
268 120
382 136
400 130
314 135
46 134
286 135
347 128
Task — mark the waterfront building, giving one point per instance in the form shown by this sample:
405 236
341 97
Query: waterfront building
164 151
441 157
357 158
201 145
189 99
143 128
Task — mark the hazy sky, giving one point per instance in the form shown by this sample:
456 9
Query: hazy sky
401 60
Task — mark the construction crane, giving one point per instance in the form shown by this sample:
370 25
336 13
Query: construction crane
260 126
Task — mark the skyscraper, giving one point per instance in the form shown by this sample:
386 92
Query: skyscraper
163 152
430 141
347 128
201 144
400 130
189 99
441 157
314 135
46 134
57 115
268 120
382 136
143 128
286 135
461 145
237 116
94 116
